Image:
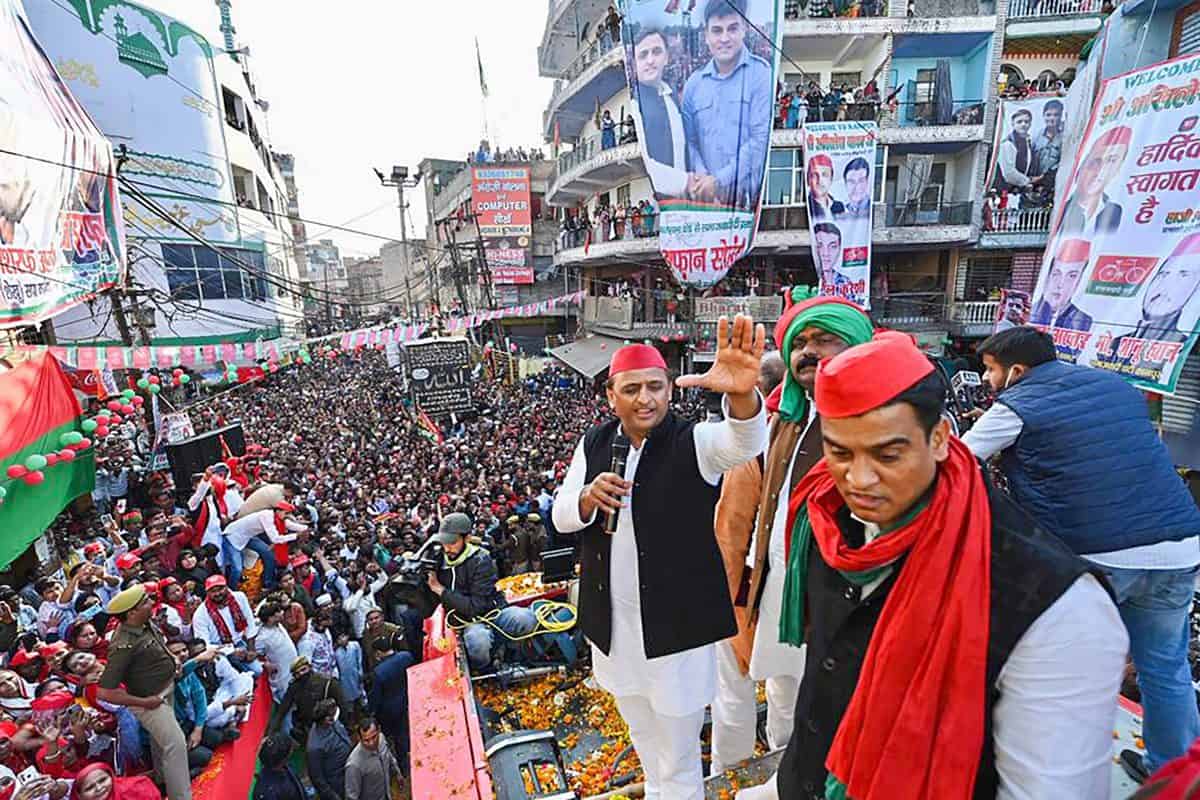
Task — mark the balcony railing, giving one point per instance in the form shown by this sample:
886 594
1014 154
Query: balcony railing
833 9
588 148
923 113
906 215
941 9
909 308
974 312
1031 9
590 54
862 112
1017 220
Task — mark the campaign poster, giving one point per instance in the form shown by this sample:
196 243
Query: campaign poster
61 229
839 173
1028 148
1119 279
1013 311
702 75
503 208
439 373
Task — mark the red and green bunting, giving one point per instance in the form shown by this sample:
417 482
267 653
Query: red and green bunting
37 408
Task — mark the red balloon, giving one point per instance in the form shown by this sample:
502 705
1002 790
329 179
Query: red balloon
66 454
17 471
34 478
154 379
114 405
127 409
137 401
82 444
176 372
102 431
175 382
51 459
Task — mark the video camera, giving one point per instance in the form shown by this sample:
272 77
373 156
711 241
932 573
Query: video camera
965 392
410 584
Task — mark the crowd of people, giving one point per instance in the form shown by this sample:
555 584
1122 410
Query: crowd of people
142 655
610 223
810 103
486 154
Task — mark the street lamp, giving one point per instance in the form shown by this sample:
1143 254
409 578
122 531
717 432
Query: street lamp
399 179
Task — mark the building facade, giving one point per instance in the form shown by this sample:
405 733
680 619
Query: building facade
206 208
930 243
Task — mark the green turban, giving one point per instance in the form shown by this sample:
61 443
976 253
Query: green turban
838 317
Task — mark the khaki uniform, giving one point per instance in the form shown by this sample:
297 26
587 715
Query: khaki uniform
139 659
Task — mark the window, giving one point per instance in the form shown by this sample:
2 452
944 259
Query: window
1185 36
889 184
235 109
792 80
785 178
623 196
195 272
243 187
264 199
880 171
931 195
923 87
850 80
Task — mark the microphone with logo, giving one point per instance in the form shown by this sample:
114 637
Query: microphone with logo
620 454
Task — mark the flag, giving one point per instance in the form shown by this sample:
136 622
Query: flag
483 87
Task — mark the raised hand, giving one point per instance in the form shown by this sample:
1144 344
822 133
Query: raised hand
739 353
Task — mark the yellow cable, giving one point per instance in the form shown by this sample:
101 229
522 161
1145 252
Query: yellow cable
544 613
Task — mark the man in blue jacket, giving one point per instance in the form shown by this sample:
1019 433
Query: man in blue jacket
1081 456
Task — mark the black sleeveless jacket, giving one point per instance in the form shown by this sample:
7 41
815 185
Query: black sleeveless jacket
684 595
1030 569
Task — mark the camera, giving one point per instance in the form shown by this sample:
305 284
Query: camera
410 584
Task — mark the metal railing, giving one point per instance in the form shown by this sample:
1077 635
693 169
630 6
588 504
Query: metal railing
941 9
1029 9
587 149
974 312
1017 220
923 113
916 213
909 308
862 111
833 9
589 54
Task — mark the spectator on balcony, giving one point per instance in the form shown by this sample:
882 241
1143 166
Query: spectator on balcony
1089 211
608 132
602 221
618 220
1016 162
649 214
728 151
634 215
796 112
857 177
821 204
628 130
1055 307
785 103
613 23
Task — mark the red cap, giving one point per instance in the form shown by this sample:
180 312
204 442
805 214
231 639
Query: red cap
1122 134
8 730
635 356
53 701
821 160
282 506
151 587
1188 246
128 560
48 651
793 310
93 547
869 375
214 581
299 560
1074 250
22 656
165 582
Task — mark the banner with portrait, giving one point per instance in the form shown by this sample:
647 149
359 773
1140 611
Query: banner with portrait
1013 310
839 173
1028 148
702 75
500 197
1119 280
61 230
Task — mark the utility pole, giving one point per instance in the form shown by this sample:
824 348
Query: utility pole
400 179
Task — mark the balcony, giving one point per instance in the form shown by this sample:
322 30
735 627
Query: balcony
911 311
915 214
943 9
834 9
591 168
595 75
1014 228
973 317
1053 18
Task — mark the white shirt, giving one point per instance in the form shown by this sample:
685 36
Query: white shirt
276 646
681 683
669 179
999 428
212 529
360 603
204 628
241 531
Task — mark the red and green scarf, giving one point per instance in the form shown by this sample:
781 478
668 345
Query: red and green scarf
914 727
235 611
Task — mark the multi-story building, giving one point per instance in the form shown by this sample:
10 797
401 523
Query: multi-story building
210 243
454 253
365 294
286 162
327 284
935 63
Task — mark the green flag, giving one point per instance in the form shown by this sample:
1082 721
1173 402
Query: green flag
483 87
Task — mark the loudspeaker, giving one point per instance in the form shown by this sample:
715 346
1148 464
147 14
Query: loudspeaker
200 452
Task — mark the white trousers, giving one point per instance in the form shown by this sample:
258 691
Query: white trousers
669 748
735 711
218 715
768 791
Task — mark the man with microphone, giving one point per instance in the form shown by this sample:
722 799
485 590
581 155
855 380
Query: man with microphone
653 592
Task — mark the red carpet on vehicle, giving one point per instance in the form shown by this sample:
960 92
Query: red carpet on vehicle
231 772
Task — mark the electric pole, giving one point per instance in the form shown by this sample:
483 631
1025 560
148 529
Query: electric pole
400 179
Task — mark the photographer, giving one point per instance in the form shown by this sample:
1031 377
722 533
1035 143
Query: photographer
466 586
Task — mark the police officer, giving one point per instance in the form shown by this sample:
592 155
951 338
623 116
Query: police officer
138 659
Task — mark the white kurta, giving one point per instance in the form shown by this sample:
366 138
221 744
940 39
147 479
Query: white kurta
681 683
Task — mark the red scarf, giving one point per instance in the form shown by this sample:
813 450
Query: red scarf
217 493
235 611
282 555
925 668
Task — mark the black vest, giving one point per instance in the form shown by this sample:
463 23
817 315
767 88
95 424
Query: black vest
1030 569
684 592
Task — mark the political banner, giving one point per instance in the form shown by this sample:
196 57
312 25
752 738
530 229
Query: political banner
439 373
703 79
61 229
840 176
1013 310
1028 148
500 197
1119 279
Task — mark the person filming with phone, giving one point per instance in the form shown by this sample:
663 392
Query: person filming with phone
641 492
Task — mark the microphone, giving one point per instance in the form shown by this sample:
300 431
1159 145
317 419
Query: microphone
620 453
